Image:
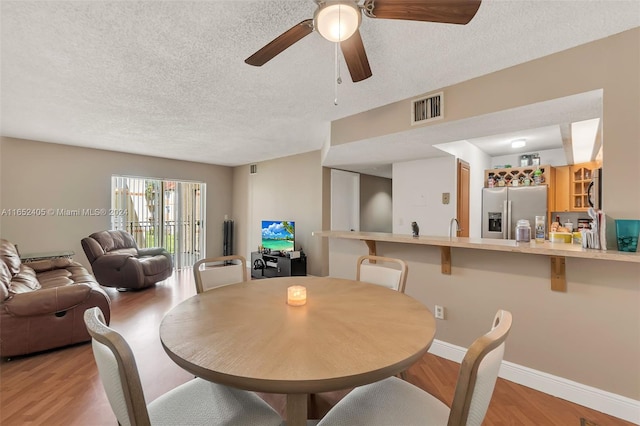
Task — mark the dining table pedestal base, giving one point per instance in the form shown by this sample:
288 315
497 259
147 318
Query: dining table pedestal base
297 409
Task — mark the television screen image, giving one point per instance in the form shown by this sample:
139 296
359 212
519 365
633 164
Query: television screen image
278 235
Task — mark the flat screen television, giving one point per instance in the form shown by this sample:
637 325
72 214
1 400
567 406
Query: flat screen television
278 235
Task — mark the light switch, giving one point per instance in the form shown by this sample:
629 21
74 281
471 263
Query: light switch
445 198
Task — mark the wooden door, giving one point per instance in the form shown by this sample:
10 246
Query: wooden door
462 209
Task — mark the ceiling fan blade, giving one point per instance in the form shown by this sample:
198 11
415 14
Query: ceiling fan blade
280 43
444 11
356 57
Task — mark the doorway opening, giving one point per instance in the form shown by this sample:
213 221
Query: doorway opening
162 213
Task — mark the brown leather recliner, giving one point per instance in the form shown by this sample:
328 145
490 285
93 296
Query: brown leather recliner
117 261
42 303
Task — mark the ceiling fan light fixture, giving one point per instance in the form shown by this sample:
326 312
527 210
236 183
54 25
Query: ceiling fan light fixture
337 21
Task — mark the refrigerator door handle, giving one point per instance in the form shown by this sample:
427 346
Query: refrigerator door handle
505 220
509 219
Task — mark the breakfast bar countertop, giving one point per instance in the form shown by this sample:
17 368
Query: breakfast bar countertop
547 248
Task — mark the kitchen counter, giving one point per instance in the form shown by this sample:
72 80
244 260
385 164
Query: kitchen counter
557 252
547 248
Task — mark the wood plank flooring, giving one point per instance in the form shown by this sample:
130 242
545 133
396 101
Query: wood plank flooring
62 387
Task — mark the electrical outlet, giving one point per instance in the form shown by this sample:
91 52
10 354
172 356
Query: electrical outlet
445 198
439 312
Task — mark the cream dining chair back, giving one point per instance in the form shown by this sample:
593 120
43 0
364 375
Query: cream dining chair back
394 401
218 271
376 270
197 402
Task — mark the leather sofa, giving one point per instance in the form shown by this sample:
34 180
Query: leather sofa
117 261
42 303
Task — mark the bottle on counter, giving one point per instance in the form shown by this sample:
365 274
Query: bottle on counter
569 225
540 229
523 231
537 176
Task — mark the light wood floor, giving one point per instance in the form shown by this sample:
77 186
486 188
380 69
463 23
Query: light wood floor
62 387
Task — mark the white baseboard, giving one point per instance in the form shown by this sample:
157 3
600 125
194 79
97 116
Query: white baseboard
606 402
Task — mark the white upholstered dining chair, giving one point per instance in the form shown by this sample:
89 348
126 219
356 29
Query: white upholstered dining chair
197 402
393 401
372 269
218 271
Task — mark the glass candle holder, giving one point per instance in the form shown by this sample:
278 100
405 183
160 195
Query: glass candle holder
296 295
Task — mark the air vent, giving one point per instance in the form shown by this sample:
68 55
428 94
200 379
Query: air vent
253 169
427 109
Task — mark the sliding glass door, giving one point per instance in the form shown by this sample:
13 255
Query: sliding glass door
162 213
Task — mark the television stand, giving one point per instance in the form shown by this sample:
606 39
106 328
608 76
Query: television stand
265 265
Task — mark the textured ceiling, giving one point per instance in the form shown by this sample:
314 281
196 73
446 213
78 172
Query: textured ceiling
169 79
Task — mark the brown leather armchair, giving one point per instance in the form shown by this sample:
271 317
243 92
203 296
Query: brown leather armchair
117 261
42 303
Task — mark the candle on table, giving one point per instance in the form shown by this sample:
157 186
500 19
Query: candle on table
296 295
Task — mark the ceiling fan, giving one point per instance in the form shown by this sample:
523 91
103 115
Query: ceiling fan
338 21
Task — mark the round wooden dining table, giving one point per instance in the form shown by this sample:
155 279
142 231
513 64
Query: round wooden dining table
349 333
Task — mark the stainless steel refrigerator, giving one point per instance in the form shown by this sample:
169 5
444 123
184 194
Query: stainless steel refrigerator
503 207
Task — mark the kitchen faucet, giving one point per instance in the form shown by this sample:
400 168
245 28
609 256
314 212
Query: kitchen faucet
451 224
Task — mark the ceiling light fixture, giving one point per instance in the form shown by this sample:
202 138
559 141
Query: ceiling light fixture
337 21
518 143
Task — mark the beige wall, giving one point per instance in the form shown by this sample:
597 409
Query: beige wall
591 333
288 188
418 186
45 175
241 213
326 218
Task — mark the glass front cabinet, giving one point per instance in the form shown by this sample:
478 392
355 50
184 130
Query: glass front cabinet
580 175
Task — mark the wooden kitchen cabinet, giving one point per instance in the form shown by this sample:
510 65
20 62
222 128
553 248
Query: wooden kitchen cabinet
511 174
579 180
563 185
